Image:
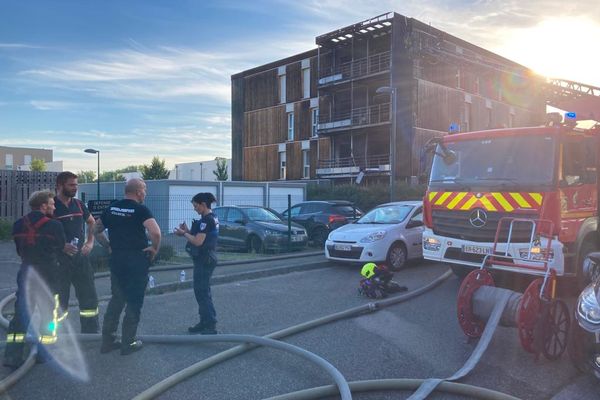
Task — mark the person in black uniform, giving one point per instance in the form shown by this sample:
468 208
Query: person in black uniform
202 244
127 221
39 240
74 260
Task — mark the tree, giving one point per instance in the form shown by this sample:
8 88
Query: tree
156 170
111 176
86 176
38 165
221 171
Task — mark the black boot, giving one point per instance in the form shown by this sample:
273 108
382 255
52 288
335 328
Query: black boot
132 347
198 328
109 343
209 329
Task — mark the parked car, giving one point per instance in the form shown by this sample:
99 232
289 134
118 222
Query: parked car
321 217
389 233
254 228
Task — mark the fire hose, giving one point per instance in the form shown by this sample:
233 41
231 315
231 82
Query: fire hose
251 342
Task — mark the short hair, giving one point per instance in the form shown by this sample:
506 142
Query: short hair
133 185
39 198
63 177
204 197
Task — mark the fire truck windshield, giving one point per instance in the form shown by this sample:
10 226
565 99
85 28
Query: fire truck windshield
509 161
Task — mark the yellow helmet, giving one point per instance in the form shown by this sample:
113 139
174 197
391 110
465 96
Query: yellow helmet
368 270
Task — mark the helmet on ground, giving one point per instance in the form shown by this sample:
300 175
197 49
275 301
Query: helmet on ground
368 270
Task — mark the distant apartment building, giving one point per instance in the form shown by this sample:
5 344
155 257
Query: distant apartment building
329 112
20 158
198 171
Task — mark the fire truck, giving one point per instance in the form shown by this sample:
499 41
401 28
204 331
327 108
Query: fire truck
522 197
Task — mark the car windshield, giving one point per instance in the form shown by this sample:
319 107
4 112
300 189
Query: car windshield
392 214
345 209
497 162
260 214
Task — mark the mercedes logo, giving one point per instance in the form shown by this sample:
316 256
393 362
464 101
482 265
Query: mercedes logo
478 218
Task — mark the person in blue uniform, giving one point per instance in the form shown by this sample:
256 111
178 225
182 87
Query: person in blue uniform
127 221
202 246
74 261
39 240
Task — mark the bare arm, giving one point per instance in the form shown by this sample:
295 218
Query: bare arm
89 243
100 236
154 234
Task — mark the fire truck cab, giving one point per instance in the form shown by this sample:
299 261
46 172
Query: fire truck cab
528 195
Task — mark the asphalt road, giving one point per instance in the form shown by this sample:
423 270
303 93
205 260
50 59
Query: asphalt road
417 339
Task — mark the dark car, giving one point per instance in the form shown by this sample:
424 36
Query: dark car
255 228
321 217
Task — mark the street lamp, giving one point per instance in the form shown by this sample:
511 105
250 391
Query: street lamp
93 151
392 92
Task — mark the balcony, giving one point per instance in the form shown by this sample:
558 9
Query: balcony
352 166
374 64
371 115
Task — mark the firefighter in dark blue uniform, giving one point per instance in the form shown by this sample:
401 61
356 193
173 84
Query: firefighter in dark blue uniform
74 261
39 240
202 245
127 221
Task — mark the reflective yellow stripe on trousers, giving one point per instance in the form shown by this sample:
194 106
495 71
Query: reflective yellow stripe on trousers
89 313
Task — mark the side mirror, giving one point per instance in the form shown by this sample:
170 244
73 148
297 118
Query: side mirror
591 267
414 223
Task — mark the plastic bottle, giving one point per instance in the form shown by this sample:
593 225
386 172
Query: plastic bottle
182 276
75 241
151 282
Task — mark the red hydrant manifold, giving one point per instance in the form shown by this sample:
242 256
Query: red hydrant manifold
542 320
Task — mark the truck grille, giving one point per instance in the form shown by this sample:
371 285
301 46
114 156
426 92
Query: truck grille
455 224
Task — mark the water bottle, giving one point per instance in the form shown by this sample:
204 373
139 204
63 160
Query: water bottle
151 282
182 276
75 241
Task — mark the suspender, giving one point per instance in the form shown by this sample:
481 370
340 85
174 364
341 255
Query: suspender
31 230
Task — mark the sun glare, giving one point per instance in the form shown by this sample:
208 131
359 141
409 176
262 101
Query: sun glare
559 48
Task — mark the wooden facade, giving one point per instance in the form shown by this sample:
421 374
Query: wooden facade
17 186
440 81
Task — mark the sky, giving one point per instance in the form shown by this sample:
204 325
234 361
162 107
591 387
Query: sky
142 78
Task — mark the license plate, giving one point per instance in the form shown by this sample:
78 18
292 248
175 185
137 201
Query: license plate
343 247
467 248
296 238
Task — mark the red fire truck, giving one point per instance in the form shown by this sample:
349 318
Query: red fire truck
527 196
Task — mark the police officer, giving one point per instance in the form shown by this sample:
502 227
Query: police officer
74 260
39 240
127 221
202 244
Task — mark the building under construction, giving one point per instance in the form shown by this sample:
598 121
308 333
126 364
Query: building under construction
368 98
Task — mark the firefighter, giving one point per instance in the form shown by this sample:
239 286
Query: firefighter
74 260
39 241
127 221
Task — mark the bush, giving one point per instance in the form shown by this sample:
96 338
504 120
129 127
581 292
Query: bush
5 230
366 197
165 253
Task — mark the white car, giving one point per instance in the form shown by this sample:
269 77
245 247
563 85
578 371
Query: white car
389 233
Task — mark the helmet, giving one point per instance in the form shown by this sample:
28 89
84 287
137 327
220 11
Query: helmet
368 270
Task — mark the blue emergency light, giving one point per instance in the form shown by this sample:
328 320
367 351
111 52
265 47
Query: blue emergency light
571 115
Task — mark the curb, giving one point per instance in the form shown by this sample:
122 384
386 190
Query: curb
247 275
221 264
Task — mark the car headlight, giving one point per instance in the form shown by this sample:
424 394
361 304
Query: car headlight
431 244
271 232
587 306
373 237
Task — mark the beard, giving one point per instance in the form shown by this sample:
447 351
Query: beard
68 193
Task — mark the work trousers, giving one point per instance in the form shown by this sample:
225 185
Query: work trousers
32 294
128 280
204 267
78 272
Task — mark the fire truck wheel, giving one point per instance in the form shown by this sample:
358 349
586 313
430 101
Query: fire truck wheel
396 258
587 247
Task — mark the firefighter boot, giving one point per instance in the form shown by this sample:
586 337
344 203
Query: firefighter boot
89 324
13 355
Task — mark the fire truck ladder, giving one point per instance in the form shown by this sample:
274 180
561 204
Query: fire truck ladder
574 96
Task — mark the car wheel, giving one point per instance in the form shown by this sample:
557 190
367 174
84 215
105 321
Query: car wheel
319 237
396 258
586 248
255 245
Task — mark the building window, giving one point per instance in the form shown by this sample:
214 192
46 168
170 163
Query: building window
477 84
306 82
282 88
458 77
8 161
314 122
282 165
306 163
467 122
27 159
290 135
511 120
489 110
